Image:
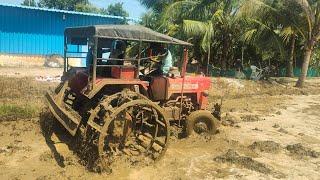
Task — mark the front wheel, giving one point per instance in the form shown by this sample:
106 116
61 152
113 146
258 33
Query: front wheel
200 122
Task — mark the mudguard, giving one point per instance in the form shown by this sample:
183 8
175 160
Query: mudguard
68 120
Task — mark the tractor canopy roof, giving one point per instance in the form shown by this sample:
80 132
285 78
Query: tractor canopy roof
123 32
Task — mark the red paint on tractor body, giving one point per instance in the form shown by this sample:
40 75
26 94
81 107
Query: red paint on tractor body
162 88
123 72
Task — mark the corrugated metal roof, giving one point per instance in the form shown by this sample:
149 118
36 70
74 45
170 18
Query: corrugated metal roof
67 12
124 32
29 30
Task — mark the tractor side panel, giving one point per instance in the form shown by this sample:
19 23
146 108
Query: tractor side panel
162 88
192 84
198 85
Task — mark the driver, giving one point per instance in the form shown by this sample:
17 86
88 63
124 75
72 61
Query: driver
118 52
162 57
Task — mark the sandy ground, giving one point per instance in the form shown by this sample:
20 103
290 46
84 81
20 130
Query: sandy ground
30 71
262 136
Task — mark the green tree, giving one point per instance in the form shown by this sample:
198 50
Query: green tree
29 3
154 17
303 22
290 31
157 6
62 4
277 31
117 10
150 19
310 31
267 29
214 22
89 8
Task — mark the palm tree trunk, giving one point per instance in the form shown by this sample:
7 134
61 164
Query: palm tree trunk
290 61
224 55
306 61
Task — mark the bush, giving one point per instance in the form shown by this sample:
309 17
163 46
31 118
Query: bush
15 112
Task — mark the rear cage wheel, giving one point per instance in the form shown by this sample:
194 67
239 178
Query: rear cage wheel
130 126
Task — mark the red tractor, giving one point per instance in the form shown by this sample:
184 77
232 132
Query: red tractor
125 105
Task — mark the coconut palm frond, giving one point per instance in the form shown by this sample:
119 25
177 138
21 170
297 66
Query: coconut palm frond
203 10
317 9
179 8
271 34
218 16
261 25
249 36
173 29
206 42
252 8
286 33
200 29
309 15
197 28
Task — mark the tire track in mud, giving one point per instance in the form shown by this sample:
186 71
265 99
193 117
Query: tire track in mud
194 157
261 154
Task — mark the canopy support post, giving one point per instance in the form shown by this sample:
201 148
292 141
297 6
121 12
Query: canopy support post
65 55
94 55
139 59
183 75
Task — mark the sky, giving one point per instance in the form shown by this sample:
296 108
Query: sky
134 8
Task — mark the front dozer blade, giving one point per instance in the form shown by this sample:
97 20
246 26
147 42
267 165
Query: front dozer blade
67 119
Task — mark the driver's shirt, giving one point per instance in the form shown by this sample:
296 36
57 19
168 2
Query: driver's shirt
166 63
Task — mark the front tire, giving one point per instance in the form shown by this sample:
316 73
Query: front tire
201 121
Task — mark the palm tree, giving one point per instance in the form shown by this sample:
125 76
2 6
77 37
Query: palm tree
150 20
215 27
304 22
214 22
264 37
289 31
204 29
290 36
273 26
310 31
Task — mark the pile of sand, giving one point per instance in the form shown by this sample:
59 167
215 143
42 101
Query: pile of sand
301 151
250 118
246 162
233 157
266 146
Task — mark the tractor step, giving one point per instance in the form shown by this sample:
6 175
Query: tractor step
70 120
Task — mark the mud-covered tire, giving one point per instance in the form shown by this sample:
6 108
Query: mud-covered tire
204 117
150 137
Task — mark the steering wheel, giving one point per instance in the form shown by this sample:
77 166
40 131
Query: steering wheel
147 63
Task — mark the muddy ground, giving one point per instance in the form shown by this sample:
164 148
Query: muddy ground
269 130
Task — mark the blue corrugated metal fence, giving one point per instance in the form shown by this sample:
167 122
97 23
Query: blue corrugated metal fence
37 31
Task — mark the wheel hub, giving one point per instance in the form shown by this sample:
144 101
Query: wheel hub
201 127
